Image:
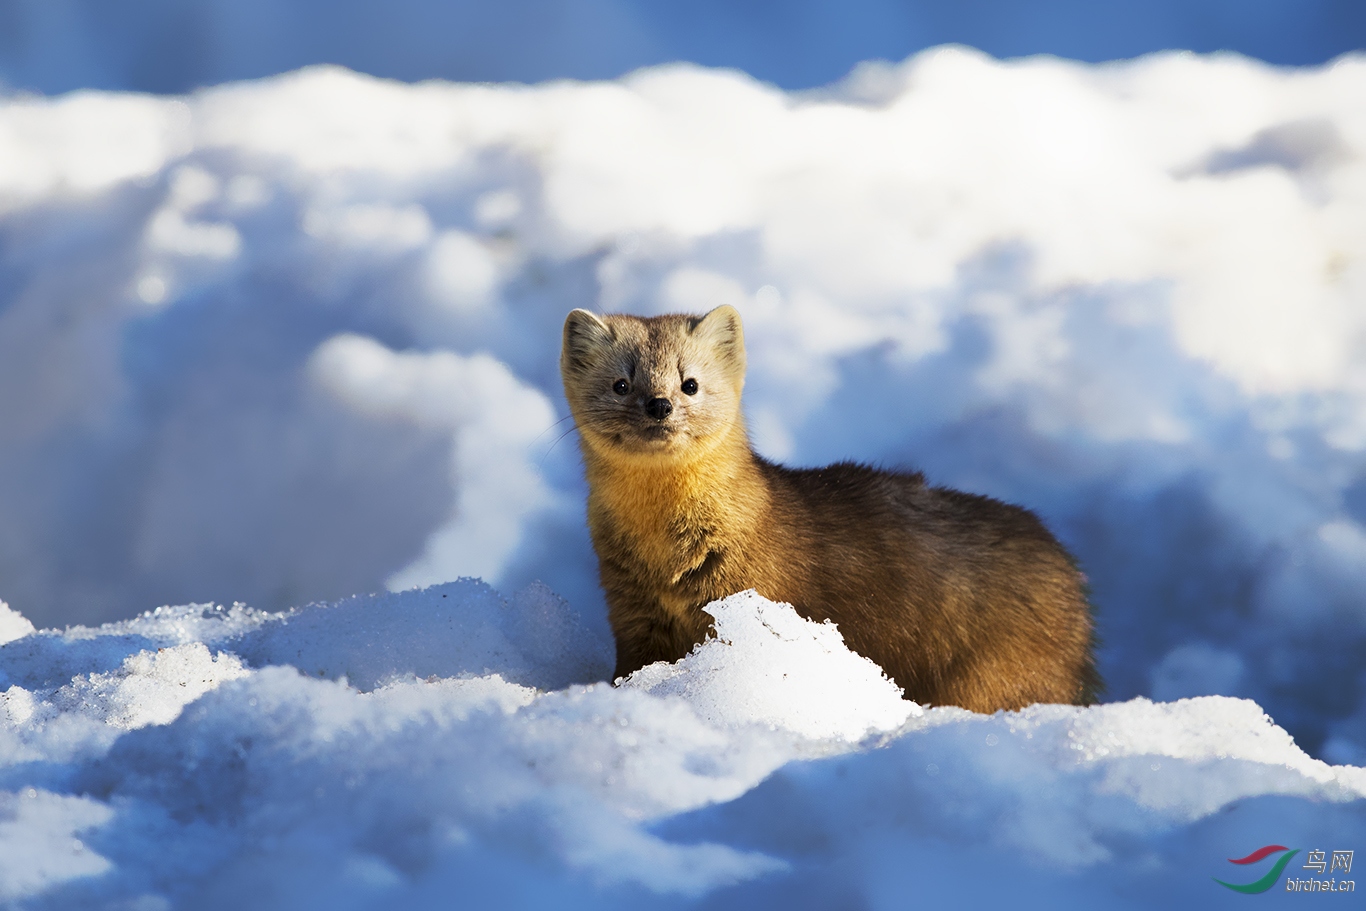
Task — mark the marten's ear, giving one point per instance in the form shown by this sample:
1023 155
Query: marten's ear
584 335
721 331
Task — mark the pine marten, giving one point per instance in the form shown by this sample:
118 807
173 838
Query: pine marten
961 599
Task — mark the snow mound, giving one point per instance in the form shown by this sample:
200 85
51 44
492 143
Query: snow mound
149 687
461 627
13 625
767 665
39 847
186 775
1114 821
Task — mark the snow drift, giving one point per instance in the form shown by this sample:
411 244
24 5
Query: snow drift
279 342
395 751
289 340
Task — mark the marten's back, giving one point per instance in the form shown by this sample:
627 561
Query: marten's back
930 582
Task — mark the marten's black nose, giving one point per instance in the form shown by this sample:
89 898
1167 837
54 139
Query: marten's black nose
659 409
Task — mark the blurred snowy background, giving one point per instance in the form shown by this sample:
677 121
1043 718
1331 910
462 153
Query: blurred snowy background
173 46
293 339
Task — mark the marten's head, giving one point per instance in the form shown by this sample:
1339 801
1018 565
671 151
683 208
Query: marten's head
662 386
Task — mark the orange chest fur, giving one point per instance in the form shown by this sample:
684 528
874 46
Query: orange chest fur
655 528
678 531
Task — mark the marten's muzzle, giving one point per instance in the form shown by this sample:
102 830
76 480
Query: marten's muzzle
659 408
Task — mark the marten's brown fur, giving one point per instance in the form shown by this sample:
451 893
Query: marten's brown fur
961 599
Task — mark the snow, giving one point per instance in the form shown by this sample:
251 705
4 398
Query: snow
278 342
13 625
759 669
389 752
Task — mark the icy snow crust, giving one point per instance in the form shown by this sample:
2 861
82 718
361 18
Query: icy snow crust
414 749
411 750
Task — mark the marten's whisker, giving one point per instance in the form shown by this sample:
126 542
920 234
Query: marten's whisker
546 455
537 439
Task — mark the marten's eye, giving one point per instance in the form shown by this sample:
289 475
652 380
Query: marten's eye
621 387
690 387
